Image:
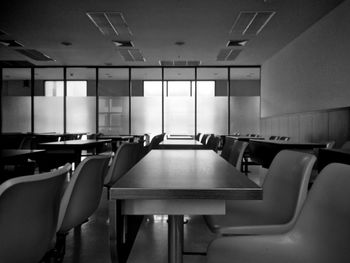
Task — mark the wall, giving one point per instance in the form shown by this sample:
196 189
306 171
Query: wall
305 86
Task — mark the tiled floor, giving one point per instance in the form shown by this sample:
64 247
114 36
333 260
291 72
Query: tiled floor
90 244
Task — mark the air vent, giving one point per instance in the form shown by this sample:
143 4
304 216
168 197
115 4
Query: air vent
15 63
236 43
34 54
121 44
251 23
110 23
10 43
179 63
227 54
131 55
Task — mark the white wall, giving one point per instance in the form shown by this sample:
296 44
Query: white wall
313 71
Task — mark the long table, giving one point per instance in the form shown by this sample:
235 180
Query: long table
181 144
264 151
176 183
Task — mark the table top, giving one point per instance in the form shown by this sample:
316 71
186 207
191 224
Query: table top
179 137
184 174
7 154
246 138
117 137
291 143
181 144
73 143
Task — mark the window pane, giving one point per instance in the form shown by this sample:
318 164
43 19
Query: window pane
245 100
212 100
81 100
179 105
146 101
113 101
48 111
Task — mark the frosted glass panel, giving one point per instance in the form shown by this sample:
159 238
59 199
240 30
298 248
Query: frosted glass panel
179 115
114 115
245 112
16 114
212 115
81 112
146 115
48 114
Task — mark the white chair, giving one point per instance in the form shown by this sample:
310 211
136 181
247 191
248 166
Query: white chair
320 235
28 215
284 192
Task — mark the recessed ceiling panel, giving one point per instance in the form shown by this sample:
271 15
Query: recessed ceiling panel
259 22
34 54
251 23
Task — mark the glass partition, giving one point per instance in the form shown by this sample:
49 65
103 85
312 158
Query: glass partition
212 100
113 103
146 101
48 100
81 100
245 100
179 114
16 100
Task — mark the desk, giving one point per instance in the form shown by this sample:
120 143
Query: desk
176 183
12 156
327 156
73 145
181 144
264 151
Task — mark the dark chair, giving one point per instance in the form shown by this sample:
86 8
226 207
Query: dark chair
226 150
236 154
29 208
285 190
320 234
205 138
156 140
197 137
273 137
81 198
213 143
284 138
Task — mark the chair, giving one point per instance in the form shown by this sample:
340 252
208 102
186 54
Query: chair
28 215
346 146
197 137
285 189
213 143
320 235
274 137
127 156
226 150
81 197
236 153
205 138
156 140
284 138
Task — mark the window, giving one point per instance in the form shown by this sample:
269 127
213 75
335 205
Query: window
74 88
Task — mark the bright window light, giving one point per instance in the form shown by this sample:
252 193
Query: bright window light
74 88
179 88
205 88
152 88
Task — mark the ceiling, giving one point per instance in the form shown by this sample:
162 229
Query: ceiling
202 25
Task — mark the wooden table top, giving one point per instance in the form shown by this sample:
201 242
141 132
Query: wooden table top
290 143
179 137
184 174
14 153
181 144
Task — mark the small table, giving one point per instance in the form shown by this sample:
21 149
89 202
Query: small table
176 183
73 145
264 151
181 144
327 156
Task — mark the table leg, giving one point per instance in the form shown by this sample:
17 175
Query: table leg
175 238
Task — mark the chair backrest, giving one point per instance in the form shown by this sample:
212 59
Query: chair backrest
156 140
226 150
213 143
346 145
284 138
83 193
273 137
204 139
197 136
28 215
324 219
125 158
237 150
330 145
286 183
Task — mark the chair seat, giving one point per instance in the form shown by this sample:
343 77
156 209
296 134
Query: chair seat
246 217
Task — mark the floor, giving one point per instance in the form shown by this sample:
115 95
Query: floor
90 244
